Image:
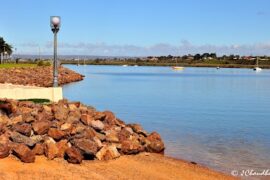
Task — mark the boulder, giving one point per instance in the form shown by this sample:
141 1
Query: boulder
38 149
4 150
107 153
97 125
86 146
66 126
62 147
154 143
86 119
23 153
109 118
60 111
73 155
24 128
99 116
112 136
41 127
19 138
16 119
131 147
56 133
51 150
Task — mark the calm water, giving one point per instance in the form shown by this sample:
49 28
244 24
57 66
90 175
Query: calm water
219 118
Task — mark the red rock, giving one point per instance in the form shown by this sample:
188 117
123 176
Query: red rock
73 155
110 118
24 128
41 127
19 138
86 119
62 147
86 146
107 153
155 143
97 125
50 150
4 150
60 111
131 147
24 153
99 116
38 149
56 133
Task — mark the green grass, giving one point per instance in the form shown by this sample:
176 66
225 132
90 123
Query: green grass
10 65
39 101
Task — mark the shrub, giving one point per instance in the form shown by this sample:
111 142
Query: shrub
44 63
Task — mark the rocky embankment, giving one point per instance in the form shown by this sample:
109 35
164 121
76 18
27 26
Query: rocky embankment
69 130
37 76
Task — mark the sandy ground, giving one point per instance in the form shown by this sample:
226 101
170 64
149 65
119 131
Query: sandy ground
142 166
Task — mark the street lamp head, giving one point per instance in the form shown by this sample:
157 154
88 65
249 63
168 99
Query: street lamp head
55 22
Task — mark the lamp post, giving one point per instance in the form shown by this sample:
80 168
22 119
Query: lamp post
55 26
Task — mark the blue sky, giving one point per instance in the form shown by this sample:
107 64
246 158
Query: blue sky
139 27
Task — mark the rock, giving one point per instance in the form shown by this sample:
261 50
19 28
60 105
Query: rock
62 147
24 129
38 149
124 134
99 116
66 126
47 108
4 120
19 138
24 153
4 150
41 127
109 118
50 150
60 111
107 153
16 119
86 146
137 129
72 107
86 119
131 147
112 136
155 143
73 155
97 125
56 133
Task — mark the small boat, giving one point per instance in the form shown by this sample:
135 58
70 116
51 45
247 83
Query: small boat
136 65
257 68
125 65
218 67
177 68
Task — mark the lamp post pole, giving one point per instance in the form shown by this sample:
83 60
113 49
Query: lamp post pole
55 25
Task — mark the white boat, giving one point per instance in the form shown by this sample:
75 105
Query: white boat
257 68
136 65
177 68
125 65
218 67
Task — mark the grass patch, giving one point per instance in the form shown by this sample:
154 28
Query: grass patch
39 101
11 65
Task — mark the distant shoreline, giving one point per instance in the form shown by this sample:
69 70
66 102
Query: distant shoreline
168 64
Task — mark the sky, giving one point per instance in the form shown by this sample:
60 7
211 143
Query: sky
138 27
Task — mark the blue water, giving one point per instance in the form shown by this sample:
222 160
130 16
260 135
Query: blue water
218 118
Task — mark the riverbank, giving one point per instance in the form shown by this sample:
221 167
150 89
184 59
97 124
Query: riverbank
37 76
141 166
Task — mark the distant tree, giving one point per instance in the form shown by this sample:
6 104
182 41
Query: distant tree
213 55
5 46
197 57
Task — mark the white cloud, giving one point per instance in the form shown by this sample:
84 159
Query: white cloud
185 47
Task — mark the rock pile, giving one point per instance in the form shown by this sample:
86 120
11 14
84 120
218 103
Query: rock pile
69 130
37 76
